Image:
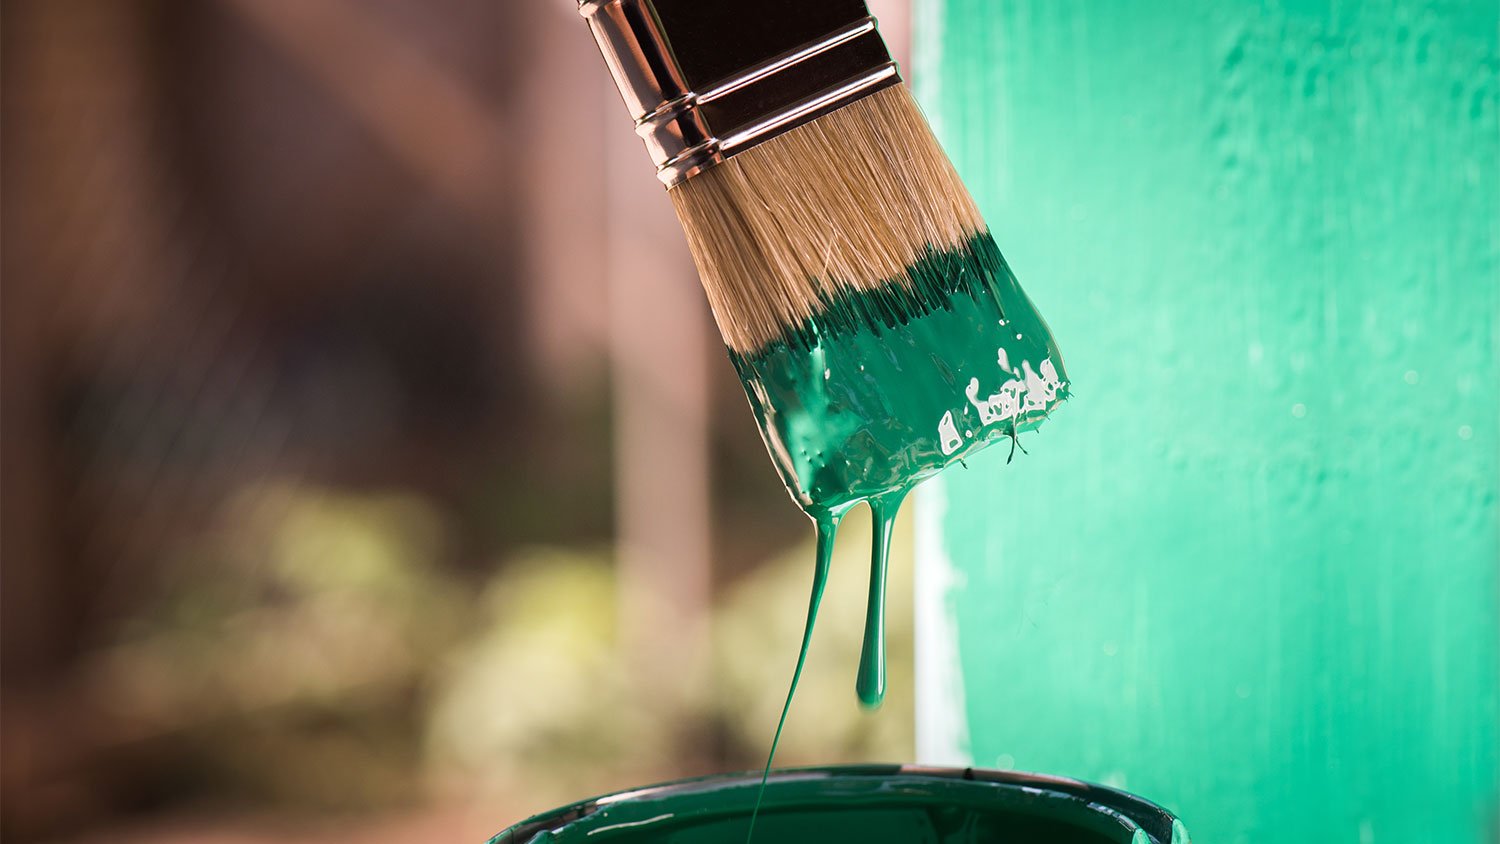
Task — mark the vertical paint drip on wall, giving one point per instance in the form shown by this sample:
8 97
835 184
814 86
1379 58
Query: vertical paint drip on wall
941 732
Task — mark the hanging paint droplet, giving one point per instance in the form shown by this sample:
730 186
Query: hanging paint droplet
907 416
826 527
869 683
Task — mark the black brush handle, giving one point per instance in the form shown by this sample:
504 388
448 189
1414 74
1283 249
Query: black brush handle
706 79
714 40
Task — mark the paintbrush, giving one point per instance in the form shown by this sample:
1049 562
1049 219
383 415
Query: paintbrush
822 213
878 332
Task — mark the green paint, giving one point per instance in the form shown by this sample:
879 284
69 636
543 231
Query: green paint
877 804
852 403
1260 578
869 683
826 523
881 390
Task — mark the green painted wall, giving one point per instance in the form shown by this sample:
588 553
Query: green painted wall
1252 569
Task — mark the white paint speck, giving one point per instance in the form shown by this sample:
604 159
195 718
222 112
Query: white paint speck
1029 392
1018 336
1299 410
948 438
999 406
1410 377
1465 432
1039 391
827 373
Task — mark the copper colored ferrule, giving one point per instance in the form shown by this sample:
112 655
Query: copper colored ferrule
706 79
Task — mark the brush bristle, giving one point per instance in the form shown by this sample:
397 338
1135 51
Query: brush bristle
845 205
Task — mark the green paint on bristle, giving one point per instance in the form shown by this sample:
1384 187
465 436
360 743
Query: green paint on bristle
882 389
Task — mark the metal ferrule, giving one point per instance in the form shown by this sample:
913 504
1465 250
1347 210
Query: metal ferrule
706 79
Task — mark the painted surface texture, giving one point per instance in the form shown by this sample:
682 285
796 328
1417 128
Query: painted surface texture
1252 573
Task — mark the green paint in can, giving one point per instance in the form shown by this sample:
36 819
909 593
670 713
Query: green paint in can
875 804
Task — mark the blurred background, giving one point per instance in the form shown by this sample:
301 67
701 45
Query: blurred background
371 465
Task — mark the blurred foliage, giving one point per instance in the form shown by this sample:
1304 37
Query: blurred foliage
538 699
286 648
759 629
313 651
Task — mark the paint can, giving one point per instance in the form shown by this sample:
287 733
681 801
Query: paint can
874 804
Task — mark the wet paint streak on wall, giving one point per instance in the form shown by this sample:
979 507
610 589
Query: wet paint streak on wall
1252 573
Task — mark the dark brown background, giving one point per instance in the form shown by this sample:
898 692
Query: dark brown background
357 385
